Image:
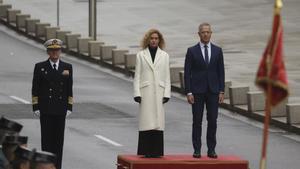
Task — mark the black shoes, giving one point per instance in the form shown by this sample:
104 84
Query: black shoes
212 154
197 154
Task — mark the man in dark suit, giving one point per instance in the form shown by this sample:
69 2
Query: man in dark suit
204 84
52 98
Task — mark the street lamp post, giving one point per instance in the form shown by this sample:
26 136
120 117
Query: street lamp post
93 19
57 10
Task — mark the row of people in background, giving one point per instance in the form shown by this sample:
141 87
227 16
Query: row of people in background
14 153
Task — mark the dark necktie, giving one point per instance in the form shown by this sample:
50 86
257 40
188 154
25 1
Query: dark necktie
206 54
54 67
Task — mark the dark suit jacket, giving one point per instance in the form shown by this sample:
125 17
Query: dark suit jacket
200 77
52 89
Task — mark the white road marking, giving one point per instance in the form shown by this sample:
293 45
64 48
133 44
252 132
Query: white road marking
108 140
20 99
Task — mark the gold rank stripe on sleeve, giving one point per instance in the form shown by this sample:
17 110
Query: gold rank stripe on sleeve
35 100
70 100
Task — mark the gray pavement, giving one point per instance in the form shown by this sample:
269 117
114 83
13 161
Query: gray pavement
241 27
104 108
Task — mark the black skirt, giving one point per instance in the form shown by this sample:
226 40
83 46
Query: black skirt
151 143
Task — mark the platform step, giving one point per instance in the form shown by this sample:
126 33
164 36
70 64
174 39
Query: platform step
181 162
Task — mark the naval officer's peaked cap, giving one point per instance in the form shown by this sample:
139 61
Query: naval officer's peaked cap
44 157
10 125
15 139
24 153
53 44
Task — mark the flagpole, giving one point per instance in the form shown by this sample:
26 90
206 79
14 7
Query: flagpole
266 127
269 60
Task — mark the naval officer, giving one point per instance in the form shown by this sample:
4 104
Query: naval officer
52 98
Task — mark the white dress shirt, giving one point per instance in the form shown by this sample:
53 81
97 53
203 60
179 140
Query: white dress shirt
52 63
203 50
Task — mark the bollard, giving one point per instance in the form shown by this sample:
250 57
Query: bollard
228 83
293 113
94 48
30 25
50 32
106 52
118 56
181 78
40 29
255 101
61 35
174 73
71 41
3 9
130 60
238 95
280 110
20 21
12 15
82 45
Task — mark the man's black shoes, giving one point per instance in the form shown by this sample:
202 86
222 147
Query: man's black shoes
197 154
212 154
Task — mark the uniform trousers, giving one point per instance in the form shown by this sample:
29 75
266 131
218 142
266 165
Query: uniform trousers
52 134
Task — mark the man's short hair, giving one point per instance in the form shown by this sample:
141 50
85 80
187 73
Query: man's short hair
202 25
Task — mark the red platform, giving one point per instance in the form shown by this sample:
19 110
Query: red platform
180 162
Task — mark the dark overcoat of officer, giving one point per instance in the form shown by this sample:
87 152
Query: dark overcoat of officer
52 98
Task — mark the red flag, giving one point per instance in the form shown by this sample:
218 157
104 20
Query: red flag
271 75
271 70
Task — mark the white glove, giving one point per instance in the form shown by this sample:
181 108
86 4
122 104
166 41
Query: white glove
68 113
37 113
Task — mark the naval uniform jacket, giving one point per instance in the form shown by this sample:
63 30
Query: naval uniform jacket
52 89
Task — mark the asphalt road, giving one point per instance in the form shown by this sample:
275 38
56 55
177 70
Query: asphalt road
240 27
104 121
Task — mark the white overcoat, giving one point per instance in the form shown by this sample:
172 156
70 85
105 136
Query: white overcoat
152 83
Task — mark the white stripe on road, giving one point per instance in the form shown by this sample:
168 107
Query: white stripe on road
20 99
108 140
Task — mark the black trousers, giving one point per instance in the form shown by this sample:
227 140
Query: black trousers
211 100
151 142
52 133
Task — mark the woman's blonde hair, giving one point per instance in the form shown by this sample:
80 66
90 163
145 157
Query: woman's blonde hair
146 40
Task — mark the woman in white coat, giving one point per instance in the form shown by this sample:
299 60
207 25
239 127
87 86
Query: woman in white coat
151 90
